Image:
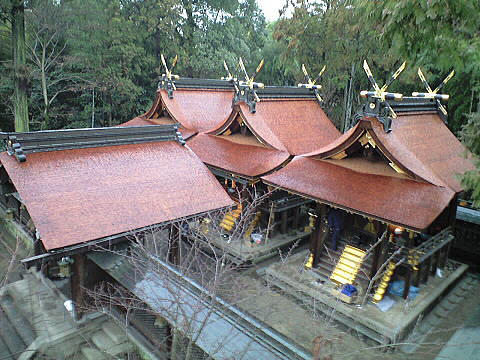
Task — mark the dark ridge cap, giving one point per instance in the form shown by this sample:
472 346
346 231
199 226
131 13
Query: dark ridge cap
193 83
20 144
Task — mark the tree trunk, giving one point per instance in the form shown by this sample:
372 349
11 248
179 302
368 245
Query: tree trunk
45 93
110 110
19 67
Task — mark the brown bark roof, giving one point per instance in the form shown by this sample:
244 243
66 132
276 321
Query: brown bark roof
404 202
421 144
241 159
201 110
298 126
74 196
424 144
141 121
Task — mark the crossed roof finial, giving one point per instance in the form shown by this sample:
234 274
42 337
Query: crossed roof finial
433 94
311 84
381 92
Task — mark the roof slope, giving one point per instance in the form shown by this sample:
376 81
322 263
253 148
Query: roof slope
404 202
79 195
428 140
419 143
298 126
200 110
241 159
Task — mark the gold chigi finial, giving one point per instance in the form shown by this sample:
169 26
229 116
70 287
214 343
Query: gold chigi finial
311 84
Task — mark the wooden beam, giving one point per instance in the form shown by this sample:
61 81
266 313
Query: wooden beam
408 280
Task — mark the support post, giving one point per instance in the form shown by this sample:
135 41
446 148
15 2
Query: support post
174 245
408 280
296 216
377 252
319 233
283 227
77 281
426 270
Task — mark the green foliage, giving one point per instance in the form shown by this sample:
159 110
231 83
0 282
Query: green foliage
470 136
332 33
113 47
436 35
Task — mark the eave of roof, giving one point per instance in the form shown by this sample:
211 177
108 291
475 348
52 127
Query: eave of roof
75 196
242 159
425 145
298 126
420 144
408 203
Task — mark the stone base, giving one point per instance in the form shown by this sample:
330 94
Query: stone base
367 320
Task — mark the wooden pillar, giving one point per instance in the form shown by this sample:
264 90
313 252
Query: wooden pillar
283 226
37 250
442 261
174 246
416 275
408 280
296 218
435 261
447 251
426 269
320 233
411 263
77 282
383 252
322 236
377 252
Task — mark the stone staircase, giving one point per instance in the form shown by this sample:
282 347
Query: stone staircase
16 331
34 324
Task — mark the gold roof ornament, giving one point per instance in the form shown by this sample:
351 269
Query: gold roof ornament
166 80
311 84
168 73
250 80
381 92
433 94
229 76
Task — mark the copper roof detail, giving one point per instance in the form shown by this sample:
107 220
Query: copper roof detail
162 120
75 196
424 144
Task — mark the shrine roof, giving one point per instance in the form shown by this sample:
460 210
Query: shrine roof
408 203
199 110
162 120
297 126
235 156
420 144
78 195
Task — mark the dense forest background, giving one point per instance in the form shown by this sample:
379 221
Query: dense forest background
99 60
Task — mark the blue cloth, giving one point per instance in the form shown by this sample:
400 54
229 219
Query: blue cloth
349 290
336 221
396 288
